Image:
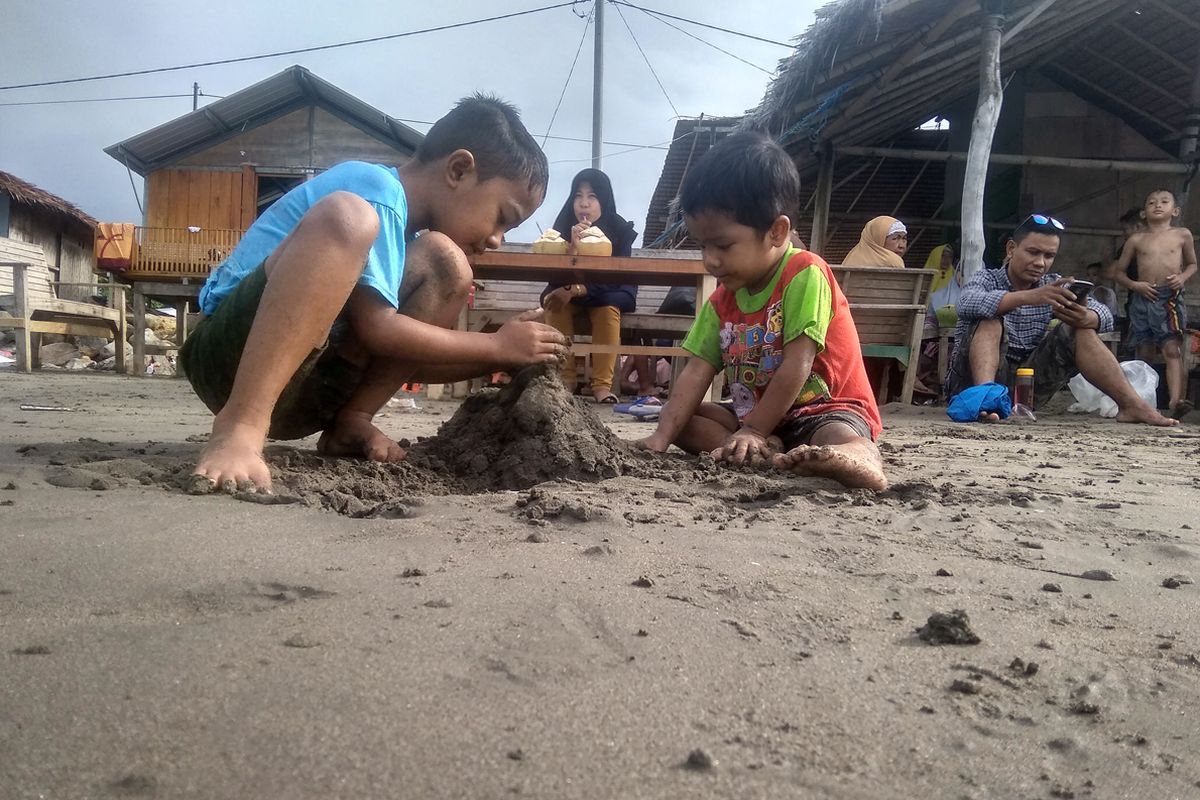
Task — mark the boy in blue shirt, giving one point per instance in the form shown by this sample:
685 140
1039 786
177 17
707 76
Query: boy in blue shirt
332 301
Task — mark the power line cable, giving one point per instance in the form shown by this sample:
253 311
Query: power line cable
702 41
295 51
703 24
638 45
633 149
106 99
587 24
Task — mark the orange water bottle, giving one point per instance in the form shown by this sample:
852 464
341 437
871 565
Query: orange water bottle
1023 388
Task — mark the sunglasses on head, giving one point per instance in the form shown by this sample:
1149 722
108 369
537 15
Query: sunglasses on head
1043 221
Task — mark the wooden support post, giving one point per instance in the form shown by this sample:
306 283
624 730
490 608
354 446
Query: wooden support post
824 194
139 332
1190 143
122 330
983 130
21 311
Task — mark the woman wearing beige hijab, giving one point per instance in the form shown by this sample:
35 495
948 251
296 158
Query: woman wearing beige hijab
883 243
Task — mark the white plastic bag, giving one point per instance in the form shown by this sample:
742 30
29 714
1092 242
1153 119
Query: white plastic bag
1088 398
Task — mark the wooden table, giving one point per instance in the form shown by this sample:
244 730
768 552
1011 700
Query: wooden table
644 268
177 294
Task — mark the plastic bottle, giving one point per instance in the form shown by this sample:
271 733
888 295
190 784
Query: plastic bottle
1022 396
1023 388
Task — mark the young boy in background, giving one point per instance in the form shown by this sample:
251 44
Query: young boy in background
1166 259
777 324
331 301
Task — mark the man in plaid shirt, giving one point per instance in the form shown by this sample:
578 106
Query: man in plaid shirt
1004 322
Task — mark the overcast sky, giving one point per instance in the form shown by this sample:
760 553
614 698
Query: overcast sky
525 60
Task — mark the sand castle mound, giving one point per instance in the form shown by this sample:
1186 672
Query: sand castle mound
523 434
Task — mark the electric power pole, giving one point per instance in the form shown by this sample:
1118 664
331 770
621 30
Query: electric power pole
195 96
598 86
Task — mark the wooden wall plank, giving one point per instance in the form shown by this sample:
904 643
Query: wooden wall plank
199 183
249 196
158 191
218 200
177 203
233 213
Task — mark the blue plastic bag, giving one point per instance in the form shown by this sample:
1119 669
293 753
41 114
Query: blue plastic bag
967 405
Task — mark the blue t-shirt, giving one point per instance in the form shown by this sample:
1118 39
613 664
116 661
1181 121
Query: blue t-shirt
377 184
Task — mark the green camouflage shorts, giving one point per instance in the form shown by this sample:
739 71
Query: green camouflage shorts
310 401
1052 361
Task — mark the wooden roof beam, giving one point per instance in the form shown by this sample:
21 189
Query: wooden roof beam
1149 84
1105 164
1100 90
1153 48
1028 20
1182 18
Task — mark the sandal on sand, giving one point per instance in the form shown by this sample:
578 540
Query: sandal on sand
606 398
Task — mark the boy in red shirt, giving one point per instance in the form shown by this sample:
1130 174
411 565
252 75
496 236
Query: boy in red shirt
779 326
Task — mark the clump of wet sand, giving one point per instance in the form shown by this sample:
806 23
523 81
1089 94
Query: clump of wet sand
528 432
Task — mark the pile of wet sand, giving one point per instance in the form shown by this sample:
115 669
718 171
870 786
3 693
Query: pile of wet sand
526 433
523 434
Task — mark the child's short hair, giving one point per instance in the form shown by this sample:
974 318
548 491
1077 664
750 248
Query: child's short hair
1163 190
492 130
747 176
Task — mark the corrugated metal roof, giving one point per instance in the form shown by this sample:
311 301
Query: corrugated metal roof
251 107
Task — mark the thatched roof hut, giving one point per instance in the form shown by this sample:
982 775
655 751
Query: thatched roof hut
24 193
60 228
1101 103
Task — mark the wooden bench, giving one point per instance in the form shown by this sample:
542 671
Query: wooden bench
29 295
888 307
497 301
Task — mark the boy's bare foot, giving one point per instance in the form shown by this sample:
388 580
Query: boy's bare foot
1181 409
233 457
989 416
854 464
1146 416
354 435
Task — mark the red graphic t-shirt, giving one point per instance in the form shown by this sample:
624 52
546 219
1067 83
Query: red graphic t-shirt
744 334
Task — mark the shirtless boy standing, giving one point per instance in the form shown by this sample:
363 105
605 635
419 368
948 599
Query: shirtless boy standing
1166 259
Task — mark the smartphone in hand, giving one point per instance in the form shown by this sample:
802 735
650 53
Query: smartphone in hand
1081 290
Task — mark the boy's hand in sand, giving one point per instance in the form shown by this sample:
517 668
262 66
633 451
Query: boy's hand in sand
745 445
524 340
1145 289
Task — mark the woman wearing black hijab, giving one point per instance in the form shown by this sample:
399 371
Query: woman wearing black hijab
592 204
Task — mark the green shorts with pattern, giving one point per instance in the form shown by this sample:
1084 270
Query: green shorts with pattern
316 392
